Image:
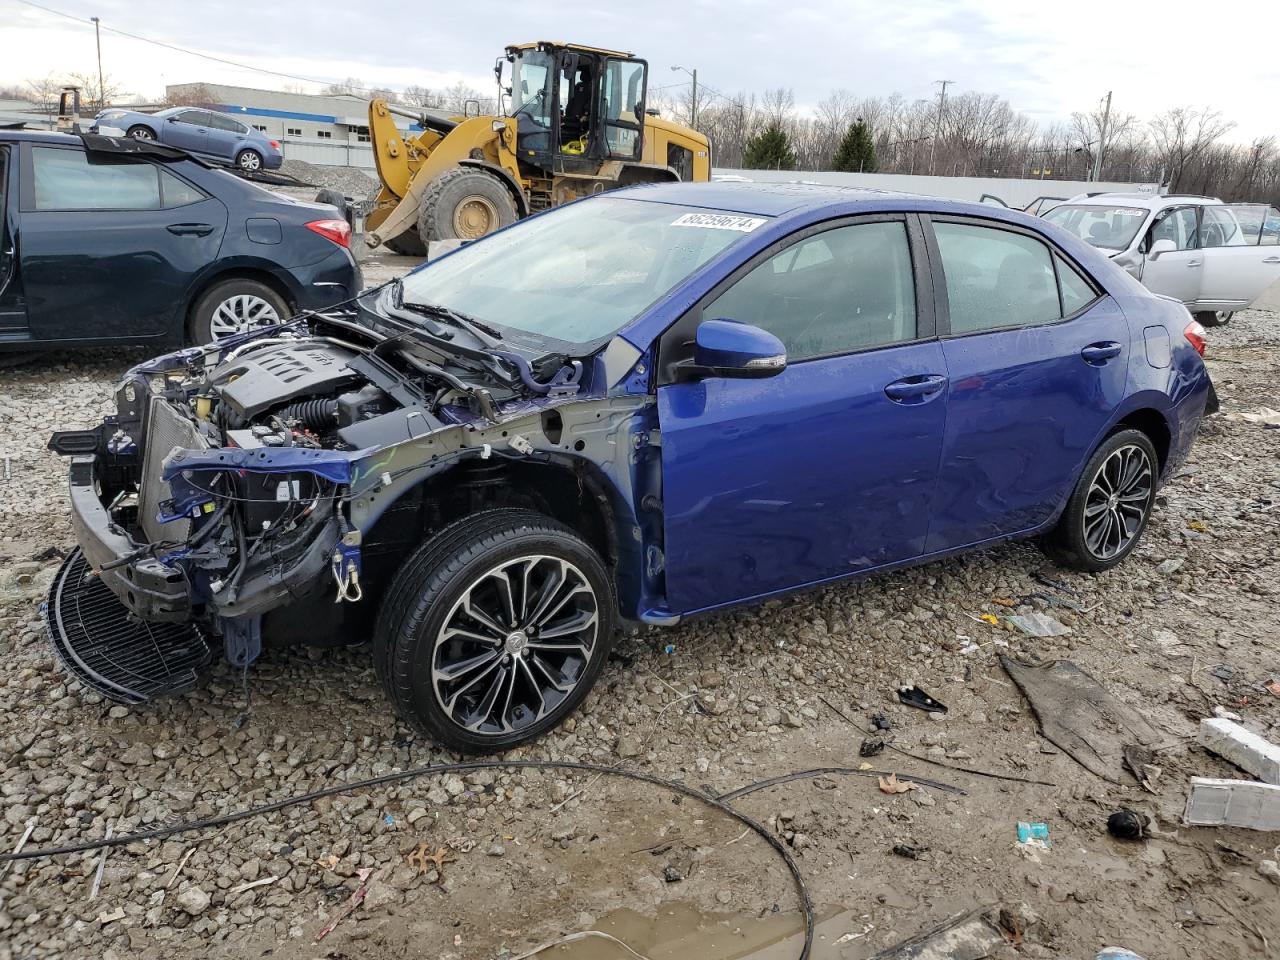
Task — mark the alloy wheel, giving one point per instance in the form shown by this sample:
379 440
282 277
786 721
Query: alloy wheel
239 313
249 161
142 133
1117 502
515 645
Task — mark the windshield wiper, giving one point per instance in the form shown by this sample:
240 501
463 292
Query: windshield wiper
477 328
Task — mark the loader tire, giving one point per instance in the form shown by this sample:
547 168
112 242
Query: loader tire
407 244
465 204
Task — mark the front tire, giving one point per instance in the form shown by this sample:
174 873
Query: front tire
495 630
1111 504
140 132
465 204
235 306
250 161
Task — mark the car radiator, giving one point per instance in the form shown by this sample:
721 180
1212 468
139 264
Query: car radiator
166 429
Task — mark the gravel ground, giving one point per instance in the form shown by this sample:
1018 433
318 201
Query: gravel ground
352 181
1189 623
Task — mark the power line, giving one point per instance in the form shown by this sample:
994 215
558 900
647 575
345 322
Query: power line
175 47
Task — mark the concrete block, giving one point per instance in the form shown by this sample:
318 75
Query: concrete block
1233 803
1245 749
438 248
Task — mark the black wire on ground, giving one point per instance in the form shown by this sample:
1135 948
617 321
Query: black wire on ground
717 803
823 771
802 890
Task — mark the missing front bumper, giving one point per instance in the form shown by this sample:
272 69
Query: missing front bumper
104 645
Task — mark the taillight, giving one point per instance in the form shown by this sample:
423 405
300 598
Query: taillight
1195 336
339 231
275 144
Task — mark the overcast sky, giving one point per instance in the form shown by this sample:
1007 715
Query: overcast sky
1045 59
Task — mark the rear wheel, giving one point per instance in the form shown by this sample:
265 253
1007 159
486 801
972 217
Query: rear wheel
249 161
1214 318
235 306
139 132
407 244
465 204
1111 504
495 630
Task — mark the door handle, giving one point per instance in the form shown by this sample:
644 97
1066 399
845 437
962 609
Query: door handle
190 229
1272 260
1193 263
915 389
1099 353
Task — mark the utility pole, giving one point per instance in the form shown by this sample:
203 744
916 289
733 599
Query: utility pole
102 90
693 107
937 127
1102 140
693 103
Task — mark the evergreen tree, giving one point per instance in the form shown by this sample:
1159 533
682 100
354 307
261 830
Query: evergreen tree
857 152
769 150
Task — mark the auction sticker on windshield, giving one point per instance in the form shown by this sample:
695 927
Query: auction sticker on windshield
719 221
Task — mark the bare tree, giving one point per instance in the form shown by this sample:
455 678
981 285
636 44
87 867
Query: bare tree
1182 135
196 96
95 96
418 96
352 86
44 94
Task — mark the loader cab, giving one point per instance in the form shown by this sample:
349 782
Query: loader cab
576 107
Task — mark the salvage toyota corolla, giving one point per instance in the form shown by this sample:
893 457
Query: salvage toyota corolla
624 411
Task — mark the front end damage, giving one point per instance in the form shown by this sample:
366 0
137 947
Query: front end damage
242 479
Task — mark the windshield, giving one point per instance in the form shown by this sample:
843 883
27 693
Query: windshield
580 272
529 86
1111 228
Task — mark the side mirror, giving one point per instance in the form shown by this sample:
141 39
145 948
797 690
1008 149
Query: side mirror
1160 248
172 119
727 348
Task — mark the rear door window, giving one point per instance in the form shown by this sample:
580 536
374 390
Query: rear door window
219 122
1219 228
68 180
996 278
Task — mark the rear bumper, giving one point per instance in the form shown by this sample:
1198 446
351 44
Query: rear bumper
146 586
331 280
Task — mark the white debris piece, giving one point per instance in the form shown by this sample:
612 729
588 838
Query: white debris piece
1233 803
1244 748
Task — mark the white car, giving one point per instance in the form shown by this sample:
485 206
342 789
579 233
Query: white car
1216 258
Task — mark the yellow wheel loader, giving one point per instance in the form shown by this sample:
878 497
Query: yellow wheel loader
575 125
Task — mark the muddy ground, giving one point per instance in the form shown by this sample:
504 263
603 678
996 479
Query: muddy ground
530 857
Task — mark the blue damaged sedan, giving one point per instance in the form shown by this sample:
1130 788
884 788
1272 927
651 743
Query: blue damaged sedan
627 410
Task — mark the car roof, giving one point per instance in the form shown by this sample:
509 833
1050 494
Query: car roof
1146 201
794 198
39 136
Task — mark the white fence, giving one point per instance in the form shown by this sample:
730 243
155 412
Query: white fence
1014 192
328 153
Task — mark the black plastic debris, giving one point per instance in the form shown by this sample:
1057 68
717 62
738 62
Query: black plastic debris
1127 824
909 851
871 748
103 645
880 722
915 697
